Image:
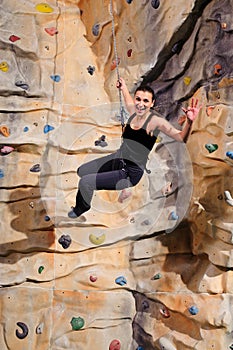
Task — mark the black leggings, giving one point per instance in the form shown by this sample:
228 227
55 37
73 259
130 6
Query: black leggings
105 173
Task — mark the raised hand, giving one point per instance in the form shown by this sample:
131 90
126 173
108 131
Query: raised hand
192 111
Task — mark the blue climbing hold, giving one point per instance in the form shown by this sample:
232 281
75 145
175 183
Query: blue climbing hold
229 154
55 78
46 218
121 280
48 128
173 216
96 29
1 173
140 348
26 128
22 85
193 310
129 1
155 4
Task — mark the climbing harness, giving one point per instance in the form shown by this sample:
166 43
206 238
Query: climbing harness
117 63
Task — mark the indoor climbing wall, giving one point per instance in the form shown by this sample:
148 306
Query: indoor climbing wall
153 271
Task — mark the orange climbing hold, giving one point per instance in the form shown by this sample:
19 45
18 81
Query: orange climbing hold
4 130
114 64
217 69
209 110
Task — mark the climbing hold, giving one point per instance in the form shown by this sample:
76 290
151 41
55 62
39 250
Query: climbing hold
97 240
211 147
115 345
65 241
114 63
217 69
96 29
132 220
228 198
145 305
121 280
140 348
44 8
14 38
40 269
165 344
231 347
91 70
155 4
31 205
1 173
167 189
35 168
193 310
4 130
129 39
129 52
55 77
129 1
173 216
101 141
157 276
187 80
125 194
48 128
51 31
4 66
209 110
77 323
146 222
39 328
22 85
159 139
177 47
229 154
223 25
93 278
164 312
24 328
46 218
26 128
7 149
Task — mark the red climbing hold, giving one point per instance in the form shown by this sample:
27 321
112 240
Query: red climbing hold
14 38
114 64
93 278
115 345
51 31
164 312
129 52
217 69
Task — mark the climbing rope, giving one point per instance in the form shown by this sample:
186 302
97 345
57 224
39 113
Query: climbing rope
117 62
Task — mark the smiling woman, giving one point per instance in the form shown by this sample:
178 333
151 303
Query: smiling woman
125 167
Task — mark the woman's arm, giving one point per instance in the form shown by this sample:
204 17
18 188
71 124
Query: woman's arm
127 97
178 135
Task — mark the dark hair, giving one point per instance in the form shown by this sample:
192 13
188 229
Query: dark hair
145 88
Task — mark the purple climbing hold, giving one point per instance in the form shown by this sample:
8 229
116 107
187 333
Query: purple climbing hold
22 85
48 128
24 328
55 78
91 70
65 241
96 29
36 168
155 4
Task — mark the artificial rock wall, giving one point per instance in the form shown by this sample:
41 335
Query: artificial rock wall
153 272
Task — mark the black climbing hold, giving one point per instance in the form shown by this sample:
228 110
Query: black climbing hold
96 29
35 168
129 1
145 305
22 85
91 70
24 328
155 4
231 347
65 241
177 47
101 141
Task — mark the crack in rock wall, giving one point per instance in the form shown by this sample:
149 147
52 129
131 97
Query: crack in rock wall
153 272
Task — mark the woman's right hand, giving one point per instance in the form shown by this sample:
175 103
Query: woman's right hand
121 84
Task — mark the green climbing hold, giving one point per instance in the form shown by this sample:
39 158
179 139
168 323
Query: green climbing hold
77 323
211 147
157 276
41 268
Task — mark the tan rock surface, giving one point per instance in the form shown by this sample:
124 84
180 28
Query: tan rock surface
164 267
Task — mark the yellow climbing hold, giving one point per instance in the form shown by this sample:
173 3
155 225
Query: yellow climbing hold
187 80
97 239
4 66
44 8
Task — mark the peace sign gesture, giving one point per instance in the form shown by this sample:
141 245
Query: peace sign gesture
192 111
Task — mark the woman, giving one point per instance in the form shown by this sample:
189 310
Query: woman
124 168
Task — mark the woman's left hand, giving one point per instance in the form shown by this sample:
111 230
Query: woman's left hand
192 111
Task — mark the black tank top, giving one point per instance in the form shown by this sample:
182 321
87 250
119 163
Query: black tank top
137 144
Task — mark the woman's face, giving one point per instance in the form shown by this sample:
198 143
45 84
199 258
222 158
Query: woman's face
143 102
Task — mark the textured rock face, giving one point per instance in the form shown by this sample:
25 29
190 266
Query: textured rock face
129 276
